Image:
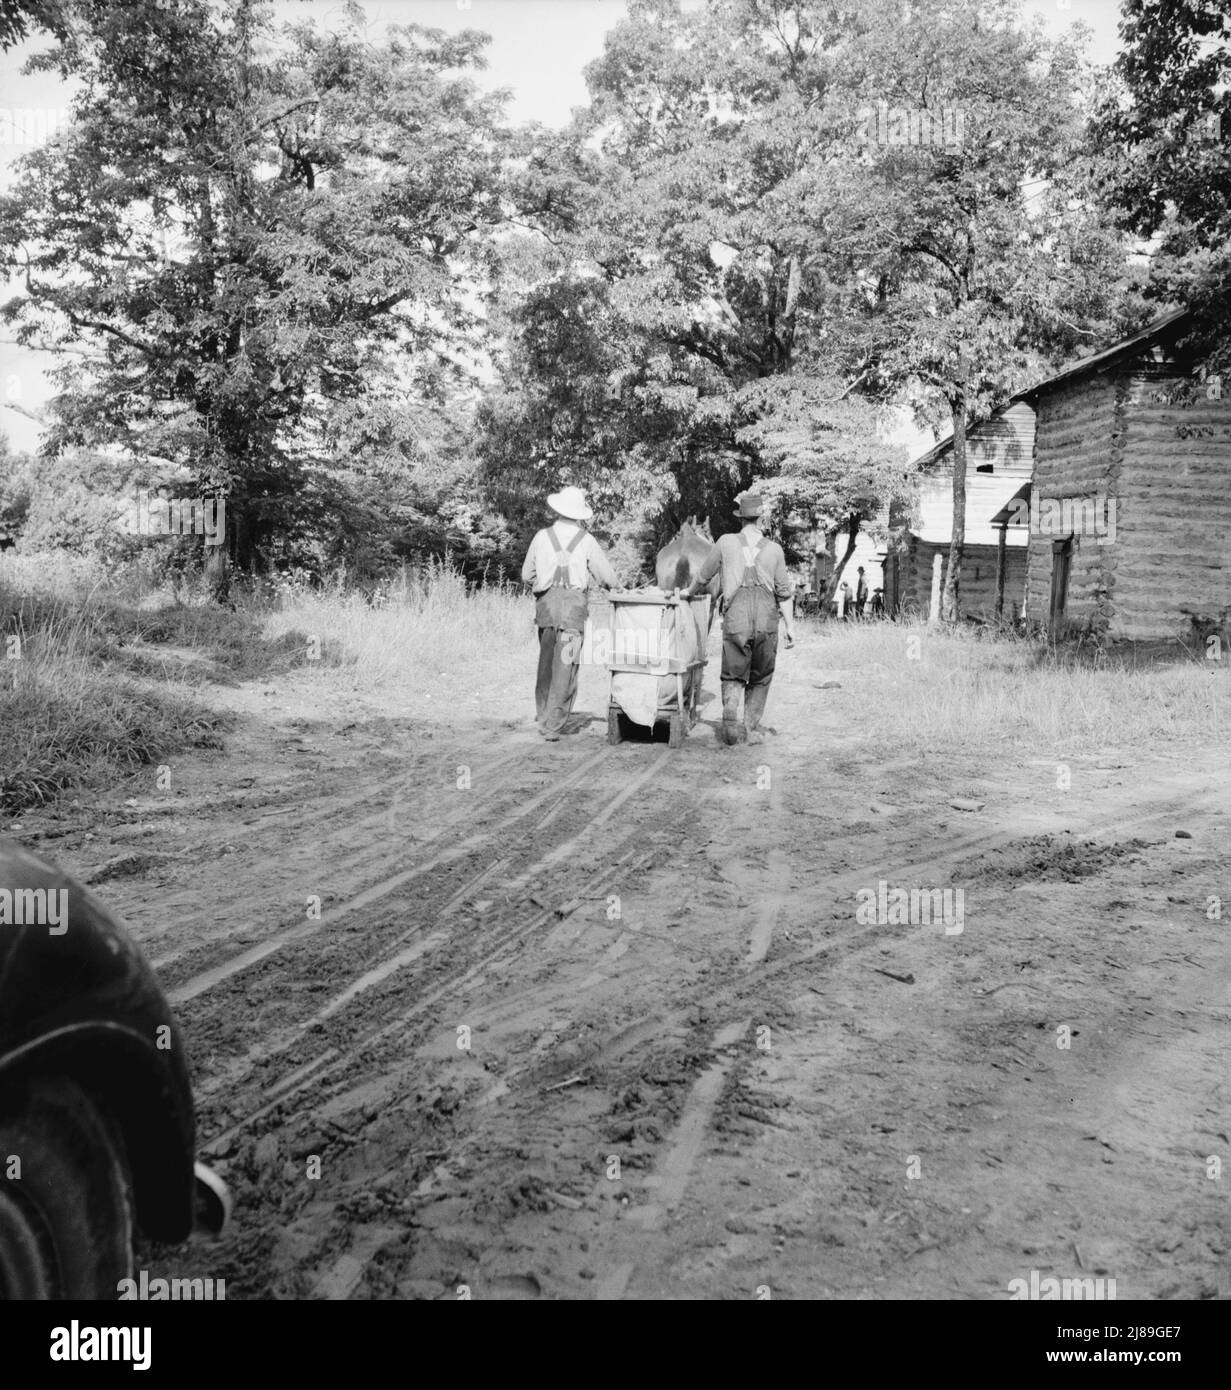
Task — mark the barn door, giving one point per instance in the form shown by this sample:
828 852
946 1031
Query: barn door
1061 559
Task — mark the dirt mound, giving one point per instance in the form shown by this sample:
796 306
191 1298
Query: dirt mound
1051 859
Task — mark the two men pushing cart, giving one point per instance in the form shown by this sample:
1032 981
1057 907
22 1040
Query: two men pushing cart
756 594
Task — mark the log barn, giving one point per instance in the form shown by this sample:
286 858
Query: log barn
1130 508
993 574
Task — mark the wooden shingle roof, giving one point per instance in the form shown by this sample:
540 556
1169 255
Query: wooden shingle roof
1154 334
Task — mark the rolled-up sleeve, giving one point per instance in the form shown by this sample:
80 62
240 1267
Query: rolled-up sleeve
784 585
529 569
600 566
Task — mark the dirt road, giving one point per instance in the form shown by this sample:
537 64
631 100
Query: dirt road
578 1021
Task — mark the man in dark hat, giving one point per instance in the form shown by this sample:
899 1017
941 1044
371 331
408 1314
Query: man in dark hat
861 593
756 593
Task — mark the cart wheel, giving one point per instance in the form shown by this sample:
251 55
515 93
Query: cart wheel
614 734
676 738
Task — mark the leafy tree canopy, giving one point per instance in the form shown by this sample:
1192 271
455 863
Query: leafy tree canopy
1164 143
265 243
776 222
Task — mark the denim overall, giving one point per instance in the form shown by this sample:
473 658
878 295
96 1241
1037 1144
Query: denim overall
749 649
750 628
560 614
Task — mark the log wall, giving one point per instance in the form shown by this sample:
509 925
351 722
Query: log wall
1174 521
1158 450
1077 440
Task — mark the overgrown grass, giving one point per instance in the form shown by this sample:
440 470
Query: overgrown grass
100 673
110 672
425 626
926 689
103 671
68 715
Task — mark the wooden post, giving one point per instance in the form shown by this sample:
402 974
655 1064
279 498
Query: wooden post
934 605
1000 559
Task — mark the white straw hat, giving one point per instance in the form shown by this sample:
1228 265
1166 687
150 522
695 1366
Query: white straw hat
570 502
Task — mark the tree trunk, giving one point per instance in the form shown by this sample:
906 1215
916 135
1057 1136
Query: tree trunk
852 534
219 558
949 599
217 573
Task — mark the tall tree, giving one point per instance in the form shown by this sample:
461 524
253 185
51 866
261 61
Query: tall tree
259 239
983 260
690 268
800 214
1164 136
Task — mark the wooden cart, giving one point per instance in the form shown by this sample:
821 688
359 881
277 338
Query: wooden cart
672 713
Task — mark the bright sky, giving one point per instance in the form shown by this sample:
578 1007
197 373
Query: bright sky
538 51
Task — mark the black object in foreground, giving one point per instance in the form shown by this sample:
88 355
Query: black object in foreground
97 1128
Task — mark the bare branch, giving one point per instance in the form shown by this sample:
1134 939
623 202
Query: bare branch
282 115
530 227
936 255
1089 332
29 414
108 328
47 347
863 376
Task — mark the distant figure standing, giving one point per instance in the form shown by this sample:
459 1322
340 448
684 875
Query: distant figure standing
878 603
861 593
844 601
820 571
558 567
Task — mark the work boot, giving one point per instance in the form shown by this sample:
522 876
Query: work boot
754 710
731 691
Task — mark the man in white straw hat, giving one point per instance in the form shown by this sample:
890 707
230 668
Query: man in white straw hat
561 559
756 591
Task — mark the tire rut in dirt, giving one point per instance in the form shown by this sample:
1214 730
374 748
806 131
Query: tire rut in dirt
373 1066
427 975
368 881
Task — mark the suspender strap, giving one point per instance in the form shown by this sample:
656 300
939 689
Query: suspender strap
751 575
568 549
562 574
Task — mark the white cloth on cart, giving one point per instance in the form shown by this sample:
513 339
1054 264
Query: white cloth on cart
650 635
